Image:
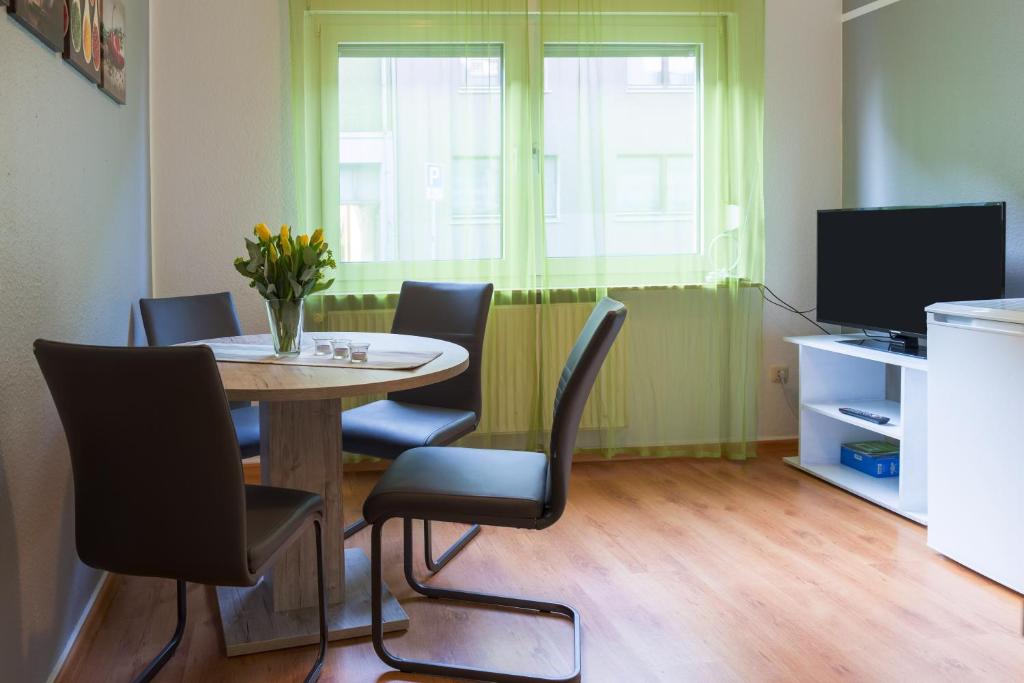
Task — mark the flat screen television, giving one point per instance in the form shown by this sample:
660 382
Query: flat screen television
879 268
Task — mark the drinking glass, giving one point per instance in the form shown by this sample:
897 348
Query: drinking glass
359 352
341 350
323 346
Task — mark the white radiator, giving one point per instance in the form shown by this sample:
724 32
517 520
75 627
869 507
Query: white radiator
513 368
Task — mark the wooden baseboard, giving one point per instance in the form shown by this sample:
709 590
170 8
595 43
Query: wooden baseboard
768 448
778 448
85 631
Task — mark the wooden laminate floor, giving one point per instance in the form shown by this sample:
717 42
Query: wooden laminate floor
682 570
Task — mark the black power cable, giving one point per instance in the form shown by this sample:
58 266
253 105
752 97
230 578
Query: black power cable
777 300
785 304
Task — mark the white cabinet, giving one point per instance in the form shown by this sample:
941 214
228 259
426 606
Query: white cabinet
976 436
835 375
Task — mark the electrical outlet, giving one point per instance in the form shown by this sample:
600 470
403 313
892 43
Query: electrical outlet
778 374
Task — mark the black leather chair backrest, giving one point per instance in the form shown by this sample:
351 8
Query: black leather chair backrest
158 480
574 385
455 313
177 319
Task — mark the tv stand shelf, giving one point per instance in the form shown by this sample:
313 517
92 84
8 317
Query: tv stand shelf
835 375
890 409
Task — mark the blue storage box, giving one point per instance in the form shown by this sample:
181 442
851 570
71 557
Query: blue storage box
877 458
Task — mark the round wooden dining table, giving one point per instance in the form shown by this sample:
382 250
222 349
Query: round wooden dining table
301 448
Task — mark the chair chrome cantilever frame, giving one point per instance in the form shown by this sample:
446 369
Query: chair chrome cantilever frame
416 666
158 662
499 488
132 514
433 565
165 655
435 415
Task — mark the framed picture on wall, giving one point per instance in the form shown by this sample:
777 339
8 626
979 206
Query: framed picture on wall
46 19
113 45
82 42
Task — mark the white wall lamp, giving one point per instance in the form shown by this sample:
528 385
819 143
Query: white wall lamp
733 221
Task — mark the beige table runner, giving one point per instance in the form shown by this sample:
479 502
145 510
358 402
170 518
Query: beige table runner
377 359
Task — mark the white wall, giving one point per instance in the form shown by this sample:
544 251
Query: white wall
907 141
74 244
802 173
221 141
221 128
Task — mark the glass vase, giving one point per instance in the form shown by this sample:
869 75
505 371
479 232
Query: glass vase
285 316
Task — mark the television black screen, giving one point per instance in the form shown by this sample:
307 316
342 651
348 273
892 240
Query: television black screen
879 268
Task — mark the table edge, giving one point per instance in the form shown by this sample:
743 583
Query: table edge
327 393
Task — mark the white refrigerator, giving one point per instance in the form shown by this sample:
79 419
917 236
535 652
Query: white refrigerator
976 436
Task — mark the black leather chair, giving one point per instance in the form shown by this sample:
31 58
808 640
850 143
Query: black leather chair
500 488
177 319
158 481
434 415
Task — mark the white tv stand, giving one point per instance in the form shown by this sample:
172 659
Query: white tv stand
834 375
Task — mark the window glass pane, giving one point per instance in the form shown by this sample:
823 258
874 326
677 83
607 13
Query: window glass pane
482 73
638 184
360 211
438 153
476 184
681 188
643 71
682 70
360 183
365 111
358 232
627 161
551 186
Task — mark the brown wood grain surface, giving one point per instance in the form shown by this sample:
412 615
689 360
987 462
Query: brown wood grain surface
267 382
701 570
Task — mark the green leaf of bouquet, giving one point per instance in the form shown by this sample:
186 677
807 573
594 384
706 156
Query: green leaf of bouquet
243 268
321 286
253 249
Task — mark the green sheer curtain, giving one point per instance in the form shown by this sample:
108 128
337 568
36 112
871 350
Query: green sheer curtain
563 150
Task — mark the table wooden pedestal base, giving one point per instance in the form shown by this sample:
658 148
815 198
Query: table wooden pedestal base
251 625
300 448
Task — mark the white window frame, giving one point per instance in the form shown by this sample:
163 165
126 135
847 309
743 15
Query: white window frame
517 38
664 86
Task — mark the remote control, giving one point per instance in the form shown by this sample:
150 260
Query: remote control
865 415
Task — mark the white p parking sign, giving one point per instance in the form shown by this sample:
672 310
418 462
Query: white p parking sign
435 182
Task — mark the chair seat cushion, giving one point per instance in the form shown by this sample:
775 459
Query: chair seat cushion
501 488
247 428
273 516
386 429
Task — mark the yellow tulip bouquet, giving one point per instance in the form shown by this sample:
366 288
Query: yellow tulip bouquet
285 269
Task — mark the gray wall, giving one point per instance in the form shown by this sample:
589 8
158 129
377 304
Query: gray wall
850 5
933 110
74 248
